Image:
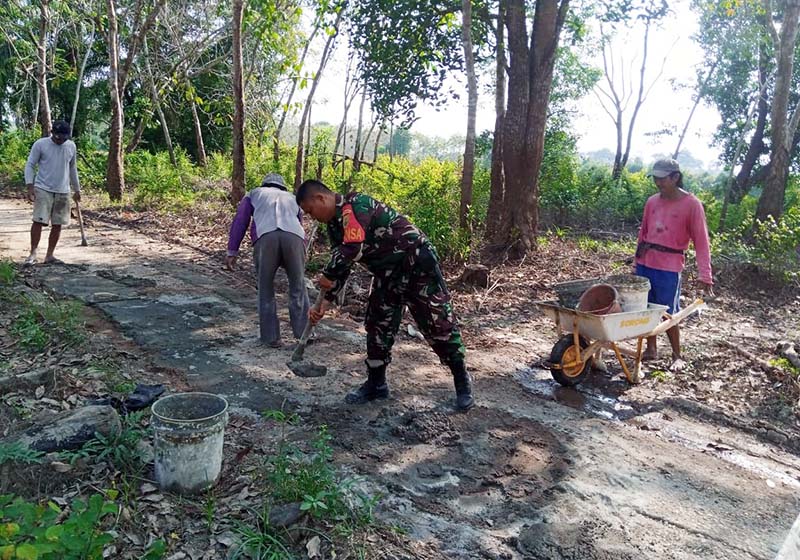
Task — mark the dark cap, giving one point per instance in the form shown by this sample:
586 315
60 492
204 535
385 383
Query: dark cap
62 128
664 168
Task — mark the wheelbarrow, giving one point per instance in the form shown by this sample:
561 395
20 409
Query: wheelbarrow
588 334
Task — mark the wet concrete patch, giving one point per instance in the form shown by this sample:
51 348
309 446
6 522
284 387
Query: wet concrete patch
126 279
92 289
426 427
596 396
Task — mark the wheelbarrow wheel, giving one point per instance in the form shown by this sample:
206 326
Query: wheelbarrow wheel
567 367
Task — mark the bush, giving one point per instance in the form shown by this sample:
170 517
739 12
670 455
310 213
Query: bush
155 181
46 532
92 169
14 149
429 194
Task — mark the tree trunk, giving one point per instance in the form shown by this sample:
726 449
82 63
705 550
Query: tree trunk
298 164
367 138
115 173
698 96
468 171
772 198
41 68
341 133
742 185
529 83
79 81
276 139
202 160
157 102
357 144
377 142
237 178
497 187
137 134
639 98
308 144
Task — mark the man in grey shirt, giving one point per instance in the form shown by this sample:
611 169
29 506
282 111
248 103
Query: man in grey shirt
274 219
49 187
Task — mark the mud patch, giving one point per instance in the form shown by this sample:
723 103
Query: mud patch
573 540
427 427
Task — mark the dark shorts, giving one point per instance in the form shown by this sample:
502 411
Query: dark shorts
665 287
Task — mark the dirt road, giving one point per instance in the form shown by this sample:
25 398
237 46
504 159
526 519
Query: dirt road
534 471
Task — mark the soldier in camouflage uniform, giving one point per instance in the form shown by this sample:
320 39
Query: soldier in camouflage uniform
406 272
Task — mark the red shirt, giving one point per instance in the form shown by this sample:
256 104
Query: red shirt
673 223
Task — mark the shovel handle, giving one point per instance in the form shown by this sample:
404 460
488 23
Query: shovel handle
309 326
80 220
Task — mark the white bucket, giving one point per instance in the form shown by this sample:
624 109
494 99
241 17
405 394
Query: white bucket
632 290
189 429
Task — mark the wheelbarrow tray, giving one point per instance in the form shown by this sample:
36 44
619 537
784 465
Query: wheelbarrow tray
605 328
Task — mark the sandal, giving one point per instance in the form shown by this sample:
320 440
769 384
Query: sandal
54 261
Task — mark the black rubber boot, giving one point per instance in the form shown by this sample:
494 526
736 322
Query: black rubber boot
375 387
463 382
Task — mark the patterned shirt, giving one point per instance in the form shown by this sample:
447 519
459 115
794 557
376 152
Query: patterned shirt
371 233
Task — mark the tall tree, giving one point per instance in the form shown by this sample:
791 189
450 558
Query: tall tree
497 189
327 51
468 170
621 89
118 79
115 179
81 72
41 68
530 78
783 122
237 179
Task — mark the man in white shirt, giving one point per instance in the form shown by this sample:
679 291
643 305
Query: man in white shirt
49 187
273 217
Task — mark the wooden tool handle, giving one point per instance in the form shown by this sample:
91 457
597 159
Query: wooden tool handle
80 218
309 326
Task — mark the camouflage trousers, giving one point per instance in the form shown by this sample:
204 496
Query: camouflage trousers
427 298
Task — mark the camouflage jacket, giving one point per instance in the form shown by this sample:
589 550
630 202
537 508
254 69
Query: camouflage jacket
371 233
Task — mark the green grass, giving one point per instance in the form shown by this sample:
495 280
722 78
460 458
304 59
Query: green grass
659 375
786 365
310 478
19 453
592 245
119 448
109 370
8 272
39 324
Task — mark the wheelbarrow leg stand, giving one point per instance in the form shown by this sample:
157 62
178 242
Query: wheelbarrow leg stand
633 377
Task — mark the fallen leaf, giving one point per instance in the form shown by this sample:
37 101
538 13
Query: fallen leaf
153 498
312 547
58 466
39 391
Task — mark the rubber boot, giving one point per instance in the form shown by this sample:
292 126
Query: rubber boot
374 387
463 382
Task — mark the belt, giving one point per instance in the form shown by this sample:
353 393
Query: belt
644 246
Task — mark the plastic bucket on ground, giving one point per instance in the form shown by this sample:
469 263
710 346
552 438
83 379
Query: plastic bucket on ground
570 292
600 299
189 429
632 291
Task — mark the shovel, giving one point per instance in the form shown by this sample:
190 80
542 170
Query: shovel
296 363
80 223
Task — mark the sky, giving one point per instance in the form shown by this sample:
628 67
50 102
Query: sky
670 44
